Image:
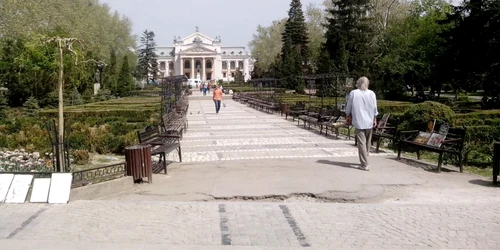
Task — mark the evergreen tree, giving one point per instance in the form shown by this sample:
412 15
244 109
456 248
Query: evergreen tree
125 80
3 105
291 66
348 36
111 73
296 29
148 65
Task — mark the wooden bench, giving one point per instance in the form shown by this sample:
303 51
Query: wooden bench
452 145
162 144
295 111
173 123
387 127
336 122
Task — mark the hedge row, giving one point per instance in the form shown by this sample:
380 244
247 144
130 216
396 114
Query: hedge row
136 115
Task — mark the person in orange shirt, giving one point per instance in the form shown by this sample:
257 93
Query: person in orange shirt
217 98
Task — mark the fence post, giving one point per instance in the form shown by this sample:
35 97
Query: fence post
496 162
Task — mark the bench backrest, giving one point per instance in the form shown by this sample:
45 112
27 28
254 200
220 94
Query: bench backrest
166 118
148 134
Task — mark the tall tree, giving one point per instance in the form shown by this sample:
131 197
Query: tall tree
111 73
125 82
348 36
291 66
296 31
148 65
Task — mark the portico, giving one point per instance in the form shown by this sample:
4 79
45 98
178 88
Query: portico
200 57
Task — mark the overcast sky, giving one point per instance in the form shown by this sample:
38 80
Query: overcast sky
234 20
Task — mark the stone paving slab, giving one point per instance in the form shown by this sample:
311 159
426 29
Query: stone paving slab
351 226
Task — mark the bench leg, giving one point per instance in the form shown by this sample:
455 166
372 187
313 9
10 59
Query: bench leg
399 151
180 154
378 144
165 165
440 162
460 163
418 154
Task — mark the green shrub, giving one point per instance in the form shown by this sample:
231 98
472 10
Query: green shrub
417 116
31 107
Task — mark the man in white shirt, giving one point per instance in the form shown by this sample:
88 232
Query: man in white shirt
362 111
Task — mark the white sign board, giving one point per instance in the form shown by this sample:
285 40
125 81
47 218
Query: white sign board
5 181
40 190
19 189
60 187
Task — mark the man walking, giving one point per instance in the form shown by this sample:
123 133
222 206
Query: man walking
362 112
217 98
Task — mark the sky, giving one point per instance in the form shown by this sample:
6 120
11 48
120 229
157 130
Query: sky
234 21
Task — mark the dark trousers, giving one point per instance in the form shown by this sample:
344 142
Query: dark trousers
217 105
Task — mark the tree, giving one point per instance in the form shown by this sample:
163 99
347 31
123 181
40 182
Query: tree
148 65
266 44
125 82
348 36
291 66
296 32
238 76
110 73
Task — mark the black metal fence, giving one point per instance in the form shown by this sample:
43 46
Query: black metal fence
329 85
496 162
54 139
98 174
171 92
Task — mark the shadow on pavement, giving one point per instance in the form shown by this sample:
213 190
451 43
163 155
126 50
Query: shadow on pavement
484 183
339 164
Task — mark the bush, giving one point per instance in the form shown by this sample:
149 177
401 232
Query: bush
81 156
31 107
417 116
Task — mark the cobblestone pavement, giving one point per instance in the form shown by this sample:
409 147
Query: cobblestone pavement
355 226
239 132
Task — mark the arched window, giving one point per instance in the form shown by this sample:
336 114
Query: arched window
197 64
187 64
233 65
170 65
162 66
224 65
209 64
240 64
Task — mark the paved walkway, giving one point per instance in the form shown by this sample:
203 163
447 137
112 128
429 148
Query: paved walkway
251 180
242 133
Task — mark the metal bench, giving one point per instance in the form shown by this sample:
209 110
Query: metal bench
162 144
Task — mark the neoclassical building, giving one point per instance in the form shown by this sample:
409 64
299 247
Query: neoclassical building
200 57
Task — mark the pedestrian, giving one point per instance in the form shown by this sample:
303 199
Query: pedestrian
217 98
361 112
208 87
204 89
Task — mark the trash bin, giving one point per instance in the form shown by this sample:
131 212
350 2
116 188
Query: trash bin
138 162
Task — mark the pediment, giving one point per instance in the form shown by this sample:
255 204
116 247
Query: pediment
198 36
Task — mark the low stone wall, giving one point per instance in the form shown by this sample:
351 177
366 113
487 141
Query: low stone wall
102 189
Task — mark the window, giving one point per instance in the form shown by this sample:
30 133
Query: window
224 74
240 64
232 74
233 65
162 66
170 65
224 65
240 52
187 64
197 64
232 52
209 64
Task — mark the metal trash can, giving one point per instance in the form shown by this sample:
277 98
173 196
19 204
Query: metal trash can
138 162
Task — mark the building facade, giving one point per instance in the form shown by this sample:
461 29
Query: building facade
200 57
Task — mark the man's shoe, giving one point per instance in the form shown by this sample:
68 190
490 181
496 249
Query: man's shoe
366 168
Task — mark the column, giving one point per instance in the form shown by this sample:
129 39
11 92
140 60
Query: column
193 75
246 69
181 69
203 70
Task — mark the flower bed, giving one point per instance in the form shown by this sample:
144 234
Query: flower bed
22 161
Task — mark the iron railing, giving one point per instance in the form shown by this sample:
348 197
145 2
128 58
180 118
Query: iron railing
98 174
